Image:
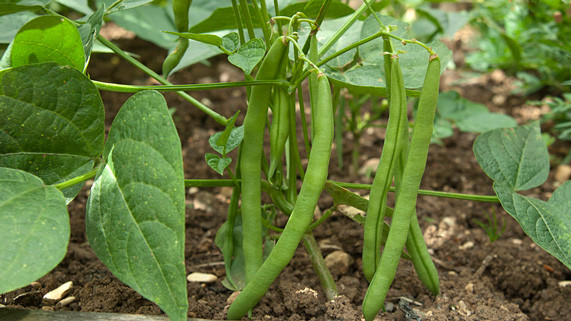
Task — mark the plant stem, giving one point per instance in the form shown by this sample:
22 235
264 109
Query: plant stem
77 180
190 87
263 21
247 18
323 273
460 196
217 117
342 30
238 19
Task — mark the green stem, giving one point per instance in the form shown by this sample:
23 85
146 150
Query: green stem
77 180
217 117
191 87
461 196
247 18
323 273
238 19
342 30
263 21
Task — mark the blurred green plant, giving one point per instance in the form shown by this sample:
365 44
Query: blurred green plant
531 39
558 119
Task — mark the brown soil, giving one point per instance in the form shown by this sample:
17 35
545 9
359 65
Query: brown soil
510 279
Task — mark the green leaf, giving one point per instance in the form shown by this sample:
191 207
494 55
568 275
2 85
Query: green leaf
12 6
89 31
470 116
231 41
311 9
77 5
48 39
34 230
234 140
516 156
51 122
236 281
12 23
547 223
217 163
367 75
223 138
135 212
248 55
125 4
221 19
478 123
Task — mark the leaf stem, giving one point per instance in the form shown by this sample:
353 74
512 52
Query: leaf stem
461 196
77 180
217 117
190 87
342 30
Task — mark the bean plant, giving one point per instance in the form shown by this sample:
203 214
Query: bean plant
52 140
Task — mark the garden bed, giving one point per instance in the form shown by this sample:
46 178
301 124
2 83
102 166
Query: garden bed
510 279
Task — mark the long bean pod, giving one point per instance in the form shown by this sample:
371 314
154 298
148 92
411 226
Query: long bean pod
373 230
251 156
180 10
304 207
279 130
408 192
415 245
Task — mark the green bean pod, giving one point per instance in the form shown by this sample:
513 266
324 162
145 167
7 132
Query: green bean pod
313 56
415 244
302 213
180 10
251 156
373 230
406 198
279 130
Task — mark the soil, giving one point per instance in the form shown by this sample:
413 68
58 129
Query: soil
509 279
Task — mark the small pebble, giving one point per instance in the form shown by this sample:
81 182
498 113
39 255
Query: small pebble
369 168
389 307
466 245
339 262
58 294
517 241
201 277
562 173
66 301
470 288
564 283
232 297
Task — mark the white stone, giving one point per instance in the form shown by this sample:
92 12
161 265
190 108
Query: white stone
66 301
59 293
339 262
201 277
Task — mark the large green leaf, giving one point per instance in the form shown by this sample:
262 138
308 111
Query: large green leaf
547 223
12 6
12 23
48 39
51 122
34 228
517 159
470 116
367 75
516 156
135 212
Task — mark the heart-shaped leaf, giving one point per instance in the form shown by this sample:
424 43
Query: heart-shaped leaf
135 212
249 55
217 163
34 228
